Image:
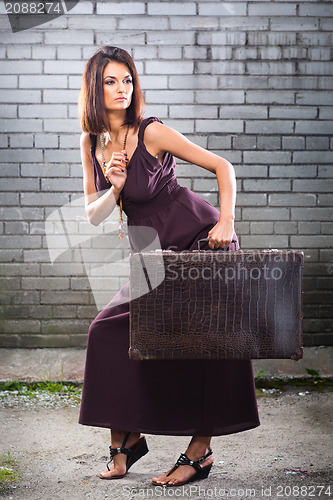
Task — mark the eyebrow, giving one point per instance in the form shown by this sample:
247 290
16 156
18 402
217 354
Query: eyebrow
109 76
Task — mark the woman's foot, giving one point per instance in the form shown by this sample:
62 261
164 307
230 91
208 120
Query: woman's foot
198 448
118 468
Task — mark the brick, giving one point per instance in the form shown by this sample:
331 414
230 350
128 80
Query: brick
84 23
20 67
124 38
325 83
222 9
269 127
264 241
320 54
221 38
291 200
269 143
57 326
306 242
144 53
170 96
44 81
192 82
270 97
13 326
170 53
324 170
167 8
123 8
297 82
244 142
294 112
8 111
43 53
21 96
195 52
285 227
268 39
17 155
19 52
268 214
19 269
309 228
220 126
261 227
312 214
294 53
271 10
326 113
71 37
293 171
21 125
264 157
312 38
293 142
142 23
43 111
315 68
249 199
190 23
220 67
313 98
68 125
170 38
169 67
11 256
293 24
19 213
192 112
205 185
8 81
63 312
314 185
21 141
64 67
38 199
316 10
155 82
267 185
32 241
243 112
62 185
16 227
22 37
45 283
251 171
9 199
312 157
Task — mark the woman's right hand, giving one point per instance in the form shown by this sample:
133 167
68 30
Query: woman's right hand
116 170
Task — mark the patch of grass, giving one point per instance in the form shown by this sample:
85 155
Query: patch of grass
8 471
29 388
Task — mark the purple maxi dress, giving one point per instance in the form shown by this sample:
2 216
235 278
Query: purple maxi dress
203 397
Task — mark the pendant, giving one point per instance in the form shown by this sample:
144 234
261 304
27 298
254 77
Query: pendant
121 232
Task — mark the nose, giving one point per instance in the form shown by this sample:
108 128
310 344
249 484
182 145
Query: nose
121 87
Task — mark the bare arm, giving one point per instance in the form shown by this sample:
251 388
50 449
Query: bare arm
160 138
97 207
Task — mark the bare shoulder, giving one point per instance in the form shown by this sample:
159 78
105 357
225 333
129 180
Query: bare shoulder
155 131
85 141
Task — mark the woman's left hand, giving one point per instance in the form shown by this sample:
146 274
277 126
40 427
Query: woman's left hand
221 234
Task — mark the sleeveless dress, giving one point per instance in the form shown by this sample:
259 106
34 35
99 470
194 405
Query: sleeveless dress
170 397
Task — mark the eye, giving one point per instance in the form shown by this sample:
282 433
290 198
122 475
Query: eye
128 80
108 82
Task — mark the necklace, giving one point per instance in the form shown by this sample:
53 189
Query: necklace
120 220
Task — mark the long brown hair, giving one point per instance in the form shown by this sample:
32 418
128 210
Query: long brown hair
92 111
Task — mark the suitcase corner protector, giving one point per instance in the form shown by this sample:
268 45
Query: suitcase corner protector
135 354
298 354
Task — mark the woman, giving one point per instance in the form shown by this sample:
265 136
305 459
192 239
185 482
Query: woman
195 398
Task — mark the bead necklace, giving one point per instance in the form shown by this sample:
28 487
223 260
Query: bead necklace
121 222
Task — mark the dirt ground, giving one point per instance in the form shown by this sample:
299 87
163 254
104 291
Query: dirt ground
288 456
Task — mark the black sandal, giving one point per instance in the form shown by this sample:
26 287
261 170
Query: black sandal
201 472
138 450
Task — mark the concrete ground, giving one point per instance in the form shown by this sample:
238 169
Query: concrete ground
288 456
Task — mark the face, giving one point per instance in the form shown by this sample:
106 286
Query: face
117 86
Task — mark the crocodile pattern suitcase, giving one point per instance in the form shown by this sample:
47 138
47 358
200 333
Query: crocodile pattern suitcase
201 304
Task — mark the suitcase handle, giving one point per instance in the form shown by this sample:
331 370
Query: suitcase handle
207 239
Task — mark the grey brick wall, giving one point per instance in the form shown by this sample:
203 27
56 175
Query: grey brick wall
250 80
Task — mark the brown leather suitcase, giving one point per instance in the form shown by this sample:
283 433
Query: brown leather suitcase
216 304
